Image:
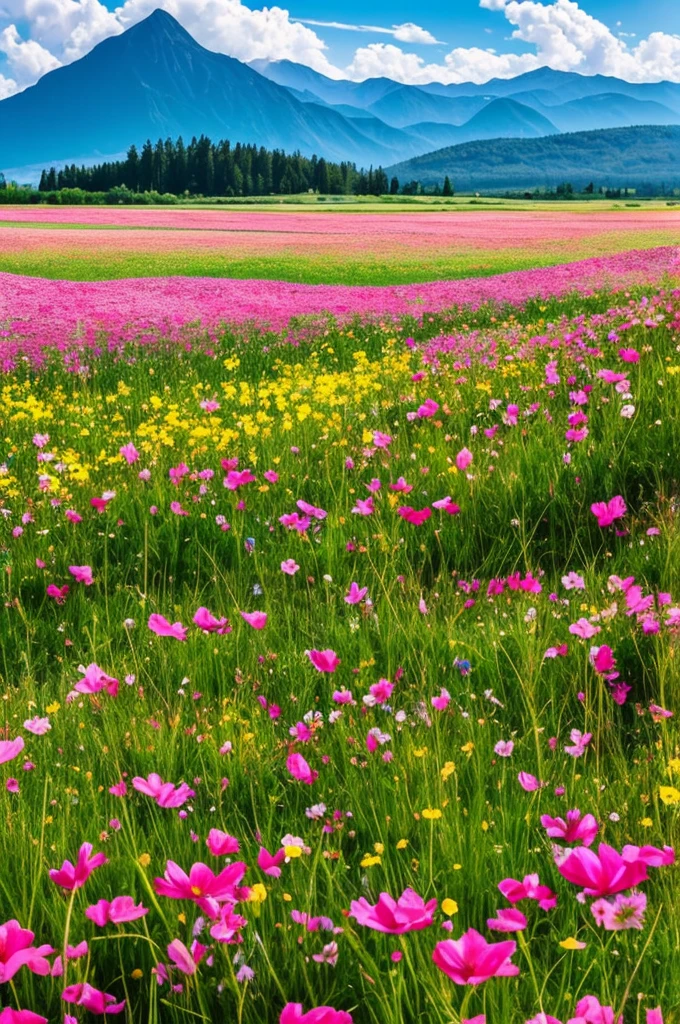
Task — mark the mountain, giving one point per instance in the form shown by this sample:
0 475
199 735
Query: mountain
155 80
506 119
617 157
330 90
609 110
406 105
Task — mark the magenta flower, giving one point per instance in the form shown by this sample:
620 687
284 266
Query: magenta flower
414 516
206 621
119 911
504 748
409 913
95 680
159 625
621 913
258 620
58 594
181 957
201 885
10 1016
311 510
235 479
92 999
529 888
446 505
575 829
654 1016
507 921
471 960
324 661
17 951
289 567
129 453
221 844
584 629
300 769
292 1014
270 864
428 409
529 782
9 749
355 594
608 511
606 872
69 876
463 459
579 743
401 486
38 726
82 574
441 702
166 794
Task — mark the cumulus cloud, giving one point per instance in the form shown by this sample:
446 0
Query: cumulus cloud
26 59
406 33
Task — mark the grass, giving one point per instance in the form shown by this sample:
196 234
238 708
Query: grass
446 815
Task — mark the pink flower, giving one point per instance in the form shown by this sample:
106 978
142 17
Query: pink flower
119 911
463 459
59 594
159 625
471 960
363 507
201 885
401 486
221 844
292 1014
181 957
355 594
379 693
311 510
575 829
258 620
427 409
82 574
446 505
414 516
9 749
583 629
629 355
38 726
228 927
604 660
270 864
95 680
92 999
654 1016
529 888
235 479
621 913
10 1016
441 702
381 440
529 783
71 877
290 567
504 748
129 453
579 742
409 913
607 872
16 952
300 769
271 476
608 511
206 621
166 794
324 661
507 921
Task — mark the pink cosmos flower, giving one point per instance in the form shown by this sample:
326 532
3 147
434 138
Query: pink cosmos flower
507 921
446 505
607 872
38 726
401 486
379 693
529 782
129 453
504 748
181 957
271 476
324 661
206 621
292 1013
529 888
576 829
95 680
414 516
166 794
70 876
17 951
221 844
654 1016
441 702
300 769
311 510
9 749
363 507
119 911
101 503
290 567
583 629
228 927
59 594
159 625
10 1016
381 440
355 594
621 913
235 479
258 620
201 885
82 574
471 960
579 743
409 913
270 864
463 459
629 355
428 409
608 511
92 999
604 661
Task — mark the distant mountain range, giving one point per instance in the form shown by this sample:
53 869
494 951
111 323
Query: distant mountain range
622 157
155 80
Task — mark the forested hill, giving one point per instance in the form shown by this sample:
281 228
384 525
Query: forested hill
616 157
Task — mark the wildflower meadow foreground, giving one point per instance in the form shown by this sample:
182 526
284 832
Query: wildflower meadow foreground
339 666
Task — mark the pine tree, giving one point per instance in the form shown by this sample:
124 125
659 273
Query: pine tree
448 188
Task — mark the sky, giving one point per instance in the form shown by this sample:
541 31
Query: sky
449 41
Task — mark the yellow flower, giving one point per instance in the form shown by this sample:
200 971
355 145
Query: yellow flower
145 859
674 765
293 852
420 752
182 918
432 814
572 943
402 844
287 897
379 847
448 770
52 709
646 822
468 748
669 795
137 974
257 894
370 861
449 907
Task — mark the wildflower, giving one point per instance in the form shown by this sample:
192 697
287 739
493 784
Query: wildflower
17 951
258 620
166 794
95 680
609 511
529 783
292 1013
471 960
92 999
406 914
82 574
324 661
129 453
206 621
504 748
583 629
221 844
159 625
416 517
579 742
201 886
71 877
463 459
289 567
58 594
9 749
621 913
441 702
528 889
355 594
507 921
119 911
608 872
576 829
300 769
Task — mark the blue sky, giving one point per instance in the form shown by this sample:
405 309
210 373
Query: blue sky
443 40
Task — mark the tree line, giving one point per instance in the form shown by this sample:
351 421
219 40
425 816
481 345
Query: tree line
207 168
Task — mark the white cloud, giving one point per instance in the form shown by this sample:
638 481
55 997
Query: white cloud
460 65
7 87
26 59
406 33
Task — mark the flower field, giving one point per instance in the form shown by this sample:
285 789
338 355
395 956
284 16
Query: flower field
319 247
339 648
